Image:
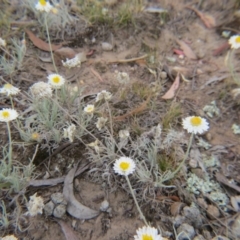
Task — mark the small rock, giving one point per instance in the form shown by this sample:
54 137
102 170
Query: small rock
48 208
206 234
185 231
59 211
163 75
107 46
193 216
57 198
193 163
199 237
213 212
104 206
178 220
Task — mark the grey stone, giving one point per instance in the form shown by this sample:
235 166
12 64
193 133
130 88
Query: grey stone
58 198
59 211
104 206
193 216
185 231
48 208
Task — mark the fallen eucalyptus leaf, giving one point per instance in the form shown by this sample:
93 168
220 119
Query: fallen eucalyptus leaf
74 207
65 52
171 92
186 49
224 180
235 201
40 43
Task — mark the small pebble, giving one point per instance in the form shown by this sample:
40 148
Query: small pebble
163 75
104 206
178 220
107 46
185 231
48 208
59 211
193 216
193 163
57 198
199 237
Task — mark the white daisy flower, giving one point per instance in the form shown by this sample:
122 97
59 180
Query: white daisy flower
43 6
103 95
8 114
147 233
2 42
41 90
35 205
234 41
9 237
124 166
89 108
9 89
56 81
195 124
100 124
69 132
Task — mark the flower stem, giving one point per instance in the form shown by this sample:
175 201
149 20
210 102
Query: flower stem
10 148
185 157
49 42
135 200
110 118
11 102
231 66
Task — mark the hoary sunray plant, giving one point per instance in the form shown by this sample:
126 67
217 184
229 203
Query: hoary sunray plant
13 60
234 42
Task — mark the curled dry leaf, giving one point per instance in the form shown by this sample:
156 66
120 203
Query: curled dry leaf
208 20
213 212
65 52
40 43
68 232
74 207
171 92
224 180
235 201
176 208
186 49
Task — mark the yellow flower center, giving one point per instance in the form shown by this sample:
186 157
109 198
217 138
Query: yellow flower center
8 86
43 2
56 79
237 39
147 237
124 166
196 121
35 136
5 114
